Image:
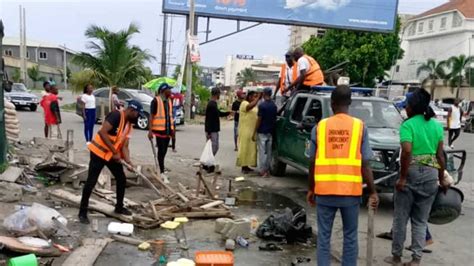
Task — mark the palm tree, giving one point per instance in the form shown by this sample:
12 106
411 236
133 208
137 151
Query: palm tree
16 76
246 76
34 74
114 60
435 71
458 66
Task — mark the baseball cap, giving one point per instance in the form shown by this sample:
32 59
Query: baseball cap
164 86
267 91
136 105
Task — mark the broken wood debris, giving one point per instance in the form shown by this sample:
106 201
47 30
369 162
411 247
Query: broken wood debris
87 253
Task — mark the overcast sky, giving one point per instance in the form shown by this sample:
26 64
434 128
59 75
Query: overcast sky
64 22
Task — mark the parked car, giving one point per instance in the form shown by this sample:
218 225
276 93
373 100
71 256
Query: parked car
124 95
441 115
21 97
305 109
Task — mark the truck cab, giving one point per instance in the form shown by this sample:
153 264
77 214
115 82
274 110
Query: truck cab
302 112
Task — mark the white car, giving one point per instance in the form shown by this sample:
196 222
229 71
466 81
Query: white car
441 115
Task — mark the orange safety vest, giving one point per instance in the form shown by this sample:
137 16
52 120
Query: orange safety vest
283 75
314 76
158 122
98 146
338 163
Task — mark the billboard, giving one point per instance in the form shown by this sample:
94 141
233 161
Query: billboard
368 15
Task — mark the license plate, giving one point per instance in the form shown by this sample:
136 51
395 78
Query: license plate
22 103
178 120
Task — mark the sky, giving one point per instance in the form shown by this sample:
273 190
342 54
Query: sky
64 22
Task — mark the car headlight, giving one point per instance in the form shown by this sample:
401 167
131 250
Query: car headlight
35 100
377 162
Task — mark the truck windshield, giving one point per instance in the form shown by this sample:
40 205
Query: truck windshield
376 114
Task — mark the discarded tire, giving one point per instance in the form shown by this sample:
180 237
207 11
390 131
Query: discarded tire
446 207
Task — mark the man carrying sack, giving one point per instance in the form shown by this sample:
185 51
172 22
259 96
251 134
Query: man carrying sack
340 154
108 148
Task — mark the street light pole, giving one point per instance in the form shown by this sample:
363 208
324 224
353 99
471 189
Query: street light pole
3 138
65 67
189 64
164 43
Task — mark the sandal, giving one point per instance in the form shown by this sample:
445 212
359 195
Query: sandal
270 247
427 251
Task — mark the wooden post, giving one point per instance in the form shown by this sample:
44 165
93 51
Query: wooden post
370 236
70 145
102 112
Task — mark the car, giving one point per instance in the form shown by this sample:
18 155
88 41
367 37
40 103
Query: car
441 115
124 95
292 137
21 97
399 102
179 118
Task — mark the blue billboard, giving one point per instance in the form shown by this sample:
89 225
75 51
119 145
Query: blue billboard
368 15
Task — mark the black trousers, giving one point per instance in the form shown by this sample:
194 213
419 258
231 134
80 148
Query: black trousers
96 165
162 146
453 134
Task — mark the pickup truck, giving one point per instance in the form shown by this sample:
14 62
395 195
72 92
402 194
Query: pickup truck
304 110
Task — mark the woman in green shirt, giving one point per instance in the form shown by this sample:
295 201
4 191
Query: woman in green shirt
422 166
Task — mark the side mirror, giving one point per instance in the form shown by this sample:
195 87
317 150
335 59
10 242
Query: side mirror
307 123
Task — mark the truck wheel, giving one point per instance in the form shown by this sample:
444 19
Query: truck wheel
277 168
33 107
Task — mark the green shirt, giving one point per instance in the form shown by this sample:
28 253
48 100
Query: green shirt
423 135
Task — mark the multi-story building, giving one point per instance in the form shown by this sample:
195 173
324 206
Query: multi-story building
300 35
439 33
266 68
212 76
48 57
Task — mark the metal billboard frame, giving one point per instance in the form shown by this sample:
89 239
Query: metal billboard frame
281 21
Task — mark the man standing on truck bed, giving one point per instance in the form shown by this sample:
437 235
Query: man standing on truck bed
288 74
340 154
310 73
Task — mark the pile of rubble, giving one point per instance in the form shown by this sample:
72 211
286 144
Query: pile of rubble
12 125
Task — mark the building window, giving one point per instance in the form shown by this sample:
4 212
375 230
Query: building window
443 23
27 55
411 30
430 25
43 55
420 27
8 52
397 69
457 20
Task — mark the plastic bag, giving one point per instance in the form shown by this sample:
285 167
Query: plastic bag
28 220
289 224
207 156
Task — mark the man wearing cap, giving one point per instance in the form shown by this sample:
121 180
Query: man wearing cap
288 74
267 114
162 124
310 73
108 148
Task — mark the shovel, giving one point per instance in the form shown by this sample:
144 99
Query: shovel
157 167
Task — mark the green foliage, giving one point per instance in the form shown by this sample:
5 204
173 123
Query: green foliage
246 76
34 74
459 65
369 54
203 93
16 76
80 79
114 60
435 70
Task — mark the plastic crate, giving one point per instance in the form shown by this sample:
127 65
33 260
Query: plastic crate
214 258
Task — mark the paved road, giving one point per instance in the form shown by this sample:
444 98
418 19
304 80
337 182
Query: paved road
453 242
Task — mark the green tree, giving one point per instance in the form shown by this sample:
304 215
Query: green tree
458 65
80 79
435 70
114 60
34 75
246 76
16 76
369 54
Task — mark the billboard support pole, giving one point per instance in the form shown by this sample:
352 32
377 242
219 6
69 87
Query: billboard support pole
230 34
189 65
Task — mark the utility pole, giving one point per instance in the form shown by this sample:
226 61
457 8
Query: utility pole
22 66
189 65
65 67
3 137
164 43
25 48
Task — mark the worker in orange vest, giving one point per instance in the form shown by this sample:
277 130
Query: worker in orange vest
310 73
162 124
340 154
108 148
288 74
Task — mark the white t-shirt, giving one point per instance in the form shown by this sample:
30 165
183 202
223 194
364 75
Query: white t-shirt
303 64
455 119
289 75
88 100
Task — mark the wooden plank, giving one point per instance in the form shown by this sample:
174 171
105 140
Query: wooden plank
87 253
200 214
153 209
113 198
181 196
182 188
94 205
11 174
127 240
370 236
13 244
212 204
144 178
208 189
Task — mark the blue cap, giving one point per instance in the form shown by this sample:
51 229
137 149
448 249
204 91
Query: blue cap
164 86
137 106
267 91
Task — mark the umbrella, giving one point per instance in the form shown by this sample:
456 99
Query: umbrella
156 83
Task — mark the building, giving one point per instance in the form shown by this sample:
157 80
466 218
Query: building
47 56
212 76
300 35
266 68
439 33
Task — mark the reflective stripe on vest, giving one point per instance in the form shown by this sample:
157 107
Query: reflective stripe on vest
98 146
314 76
158 122
338 163
283 75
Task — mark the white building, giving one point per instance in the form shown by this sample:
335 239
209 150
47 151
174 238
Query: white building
266 68
300 35
439 33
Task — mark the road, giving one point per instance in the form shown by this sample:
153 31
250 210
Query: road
454 242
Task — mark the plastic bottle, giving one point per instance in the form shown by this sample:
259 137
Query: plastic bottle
253 224
242 242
